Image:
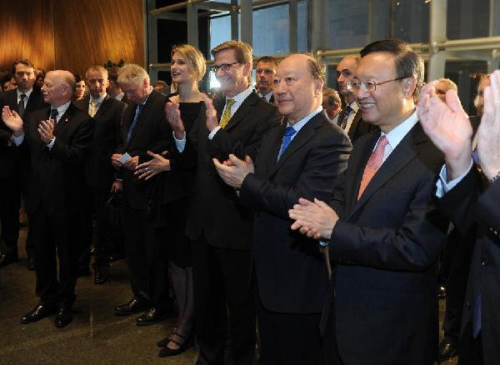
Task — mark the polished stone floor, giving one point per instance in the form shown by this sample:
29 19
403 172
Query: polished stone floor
95 336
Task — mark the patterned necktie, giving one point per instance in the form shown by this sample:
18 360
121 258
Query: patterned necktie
53 115
287 139
227 113
20 105
134 123
347 112
374 162
93 107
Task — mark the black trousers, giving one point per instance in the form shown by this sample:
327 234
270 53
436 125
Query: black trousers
95 204
331 353
10 203
55 236
147 267
471 351
223 301
458 254
289 338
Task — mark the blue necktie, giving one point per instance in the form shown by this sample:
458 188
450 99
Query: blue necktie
134 123
476 316
289 132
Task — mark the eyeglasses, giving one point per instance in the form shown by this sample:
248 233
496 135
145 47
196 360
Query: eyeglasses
224 67
368 86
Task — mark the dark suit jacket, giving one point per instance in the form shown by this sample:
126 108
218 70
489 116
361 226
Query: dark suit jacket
470 211
214 210
99 172
9 155
290 270
151 133
358 127
384 250
57 175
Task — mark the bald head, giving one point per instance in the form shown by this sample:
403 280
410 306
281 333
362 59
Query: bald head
58 87
298 86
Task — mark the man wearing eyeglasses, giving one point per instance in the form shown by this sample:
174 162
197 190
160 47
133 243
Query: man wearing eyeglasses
265 71
350 119
218 225
383 232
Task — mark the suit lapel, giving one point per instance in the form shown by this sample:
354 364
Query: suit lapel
269 150
143 116
103 108
302 137
354 126
64 120
404 153
245 108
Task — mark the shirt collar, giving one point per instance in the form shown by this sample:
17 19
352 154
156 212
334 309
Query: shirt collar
395 136
298 126
98 100
240 98
27 93
62 109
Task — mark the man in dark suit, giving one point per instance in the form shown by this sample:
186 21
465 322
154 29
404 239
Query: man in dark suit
301 158
13 169
471 201
383 232
144 129
57 147
264 73
99 173
218 225
350 118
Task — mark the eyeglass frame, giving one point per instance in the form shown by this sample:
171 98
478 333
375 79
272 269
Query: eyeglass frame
225 67
375 84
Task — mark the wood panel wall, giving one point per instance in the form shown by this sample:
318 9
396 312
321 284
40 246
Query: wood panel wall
71 34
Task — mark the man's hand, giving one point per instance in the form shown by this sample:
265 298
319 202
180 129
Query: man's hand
173 115
115 160
117 186
12 120
234 171
132 163
46 130
488 133
313 219
211 114
449 128
153 167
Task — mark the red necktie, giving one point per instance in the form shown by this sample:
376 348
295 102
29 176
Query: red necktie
374 162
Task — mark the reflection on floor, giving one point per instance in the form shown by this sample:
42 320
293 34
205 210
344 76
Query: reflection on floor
95 336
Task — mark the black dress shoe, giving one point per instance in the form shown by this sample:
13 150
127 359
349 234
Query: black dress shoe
100 275
31 263
182 342
63 318
7 260
448 348
151 316
134 306
39 312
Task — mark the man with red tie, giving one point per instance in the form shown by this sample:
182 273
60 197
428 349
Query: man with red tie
383 232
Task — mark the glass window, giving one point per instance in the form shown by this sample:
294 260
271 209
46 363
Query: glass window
468 19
